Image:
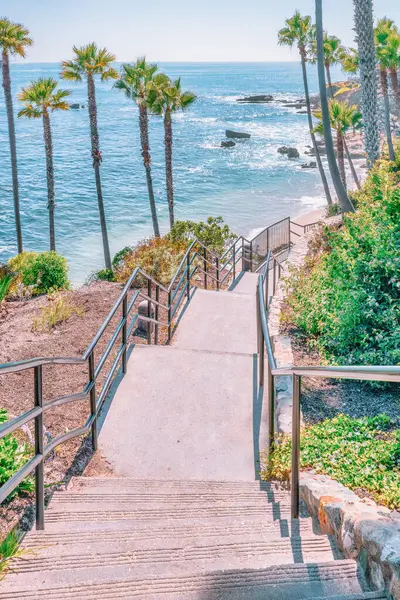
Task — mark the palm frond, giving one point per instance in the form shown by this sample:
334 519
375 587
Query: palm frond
14 37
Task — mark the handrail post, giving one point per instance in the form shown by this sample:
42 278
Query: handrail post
271 409
234 261
251 256
169 317
124 333
39 470
274 278
261 340
217 271
93 408
266 299
157 315
188 277
295 478
205 267
149 325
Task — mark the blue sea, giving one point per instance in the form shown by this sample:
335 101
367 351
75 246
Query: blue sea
250 185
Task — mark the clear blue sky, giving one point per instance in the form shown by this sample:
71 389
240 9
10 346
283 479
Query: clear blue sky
176 30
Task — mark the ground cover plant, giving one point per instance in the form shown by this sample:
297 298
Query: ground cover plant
346 298
58 310
13 455
363 454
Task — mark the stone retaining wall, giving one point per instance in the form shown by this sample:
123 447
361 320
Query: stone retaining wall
365 531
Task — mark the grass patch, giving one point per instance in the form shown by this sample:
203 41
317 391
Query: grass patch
362 454
58 310
10 548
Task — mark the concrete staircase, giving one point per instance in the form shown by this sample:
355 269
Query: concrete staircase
184 516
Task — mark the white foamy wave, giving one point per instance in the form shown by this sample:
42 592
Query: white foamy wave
128 109
314 201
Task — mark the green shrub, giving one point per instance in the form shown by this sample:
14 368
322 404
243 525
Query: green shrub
41 272
105 275
159 257
214 233
347 296
359 453
13 455
5 283
58 310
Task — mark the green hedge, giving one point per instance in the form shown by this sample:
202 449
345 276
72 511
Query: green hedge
41 272
347 296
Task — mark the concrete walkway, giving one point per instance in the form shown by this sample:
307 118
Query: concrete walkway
190 411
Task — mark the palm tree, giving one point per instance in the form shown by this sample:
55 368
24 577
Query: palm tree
388 35
343 117
39 99
382 35
88 62
165 97
364 26
133 81
14 39
343 198
333 53
298 31
350 61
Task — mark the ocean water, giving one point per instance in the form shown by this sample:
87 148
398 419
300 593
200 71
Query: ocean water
250 185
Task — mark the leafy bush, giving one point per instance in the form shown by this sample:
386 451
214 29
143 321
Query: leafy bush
13 456
347 296
41 272
57 311
214 233
5 283
359 453
105 275
159 257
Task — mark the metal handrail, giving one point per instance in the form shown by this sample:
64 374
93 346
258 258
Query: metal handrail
214 267
361 373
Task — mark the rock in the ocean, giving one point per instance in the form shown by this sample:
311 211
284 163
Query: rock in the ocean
289 151
76 106
237 134
256 99
309 165
227 144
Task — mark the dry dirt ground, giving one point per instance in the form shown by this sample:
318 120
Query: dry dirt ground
326 398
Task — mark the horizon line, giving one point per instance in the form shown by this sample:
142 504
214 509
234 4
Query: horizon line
187 62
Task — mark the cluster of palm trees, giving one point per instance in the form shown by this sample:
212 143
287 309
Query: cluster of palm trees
378 50
142 83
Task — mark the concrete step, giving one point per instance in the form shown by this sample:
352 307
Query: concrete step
245 283
181 527
103 511
219 322
279 582
237 543
173 558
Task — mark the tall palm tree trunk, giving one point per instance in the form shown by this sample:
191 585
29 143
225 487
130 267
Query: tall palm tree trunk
328 76
340 156
385 93
168 164
343 198
5 65
94 137
396 91
311 127
350 161
364 26
144 140
48 144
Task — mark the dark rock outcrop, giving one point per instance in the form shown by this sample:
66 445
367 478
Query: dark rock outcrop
237 134
227 144
309 165
289 151
76 106
256 99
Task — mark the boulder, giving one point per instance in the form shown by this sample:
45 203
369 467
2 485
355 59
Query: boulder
237 134
256 99
143 311
310 165
227 144
76 106
289 151
301 112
